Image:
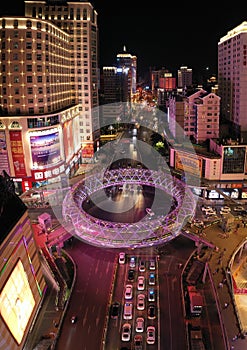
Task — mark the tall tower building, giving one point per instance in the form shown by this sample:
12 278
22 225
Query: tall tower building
114 91
127 61
184 78
79 20
232 79
48 91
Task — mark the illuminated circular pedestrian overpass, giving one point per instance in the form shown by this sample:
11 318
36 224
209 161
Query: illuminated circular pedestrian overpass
149 231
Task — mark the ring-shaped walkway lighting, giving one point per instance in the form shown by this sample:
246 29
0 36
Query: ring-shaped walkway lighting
146 232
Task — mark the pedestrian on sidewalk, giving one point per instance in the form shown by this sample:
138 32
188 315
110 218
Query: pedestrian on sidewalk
226 305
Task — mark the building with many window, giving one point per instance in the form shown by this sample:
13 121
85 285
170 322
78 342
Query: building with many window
232 81
127 61
49 122
194 115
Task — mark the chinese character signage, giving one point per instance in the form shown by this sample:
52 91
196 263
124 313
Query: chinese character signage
88 151
17 153
46 174
188 164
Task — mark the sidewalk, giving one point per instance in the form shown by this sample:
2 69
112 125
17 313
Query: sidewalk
227 302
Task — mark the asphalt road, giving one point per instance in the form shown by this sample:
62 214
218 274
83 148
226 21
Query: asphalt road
89 299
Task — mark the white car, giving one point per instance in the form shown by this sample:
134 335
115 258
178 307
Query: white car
126 332
141 283
207 208
226 208
142 266
239 208
150 335
151 264
128 291
140 324
140 302
210 212
121 258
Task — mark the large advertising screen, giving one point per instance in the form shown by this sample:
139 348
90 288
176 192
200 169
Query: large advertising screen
17 302
45 148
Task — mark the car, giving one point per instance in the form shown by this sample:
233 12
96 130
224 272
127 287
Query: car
115 308
141 283
121 258
151 279
151 264
198 222
128 293
226 208
151 294
138 342
142 266
140 302
151 311
73 319
150 335
206 208
224 211
126 332
128 310
139 325
132 262
239 208
131 275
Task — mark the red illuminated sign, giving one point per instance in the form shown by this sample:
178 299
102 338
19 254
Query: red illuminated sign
17 153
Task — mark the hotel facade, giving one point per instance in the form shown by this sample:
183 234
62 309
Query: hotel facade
49 120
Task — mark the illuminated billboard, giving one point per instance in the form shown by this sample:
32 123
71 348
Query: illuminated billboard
188 163
45 148
17 302
17 153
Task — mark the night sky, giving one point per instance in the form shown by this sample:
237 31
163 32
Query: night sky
168 35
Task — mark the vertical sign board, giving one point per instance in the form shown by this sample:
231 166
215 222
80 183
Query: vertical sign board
4 159
17 153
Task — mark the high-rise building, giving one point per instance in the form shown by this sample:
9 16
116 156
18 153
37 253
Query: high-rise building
127 61
113 94
184 78
195 115
232 79
163 84
49 90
